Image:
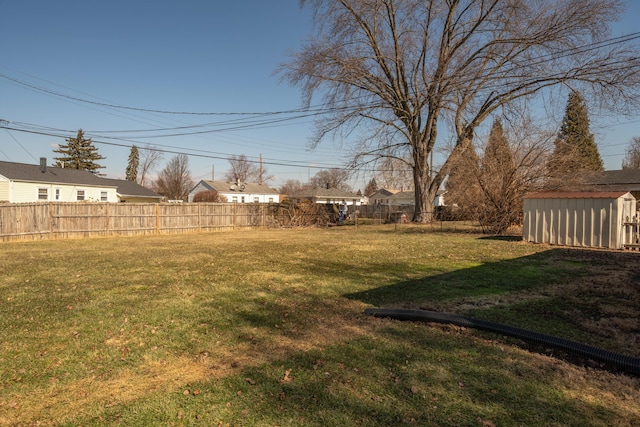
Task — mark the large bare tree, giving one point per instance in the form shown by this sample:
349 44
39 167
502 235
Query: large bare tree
395 173
632 154
174 181
402 68
331 178
245 170
149 158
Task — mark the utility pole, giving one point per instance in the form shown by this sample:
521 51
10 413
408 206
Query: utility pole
260 178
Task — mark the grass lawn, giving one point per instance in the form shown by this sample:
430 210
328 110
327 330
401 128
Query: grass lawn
266 328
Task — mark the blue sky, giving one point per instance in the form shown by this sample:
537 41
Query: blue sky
183 56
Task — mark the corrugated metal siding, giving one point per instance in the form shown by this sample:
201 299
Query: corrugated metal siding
575 221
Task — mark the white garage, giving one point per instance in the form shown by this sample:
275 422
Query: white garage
586 219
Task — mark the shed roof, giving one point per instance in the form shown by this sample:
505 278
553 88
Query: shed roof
577 195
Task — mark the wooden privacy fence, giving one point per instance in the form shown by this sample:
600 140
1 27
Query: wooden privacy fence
38 221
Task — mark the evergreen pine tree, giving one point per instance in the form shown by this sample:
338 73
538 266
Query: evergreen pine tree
499 208
463 191
132 164
371 187
576 150
78 153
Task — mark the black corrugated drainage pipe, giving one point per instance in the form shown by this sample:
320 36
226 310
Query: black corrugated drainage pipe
619 361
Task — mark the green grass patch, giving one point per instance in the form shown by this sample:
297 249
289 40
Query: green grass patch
267 328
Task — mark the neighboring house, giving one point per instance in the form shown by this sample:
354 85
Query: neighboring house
25 183
615 180
328 196
381 196
238 192
132 192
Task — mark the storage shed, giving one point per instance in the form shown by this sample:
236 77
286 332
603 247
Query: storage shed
587 219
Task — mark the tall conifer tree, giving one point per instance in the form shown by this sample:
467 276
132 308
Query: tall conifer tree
576 150
500 206
463 189
78 153
371 187
133 164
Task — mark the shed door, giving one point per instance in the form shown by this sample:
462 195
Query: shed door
628 232
627 210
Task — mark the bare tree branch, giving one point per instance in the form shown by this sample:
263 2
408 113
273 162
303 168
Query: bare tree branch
410 65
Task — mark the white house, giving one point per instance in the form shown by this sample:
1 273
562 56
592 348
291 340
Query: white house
24 183
381 196
328 196
238 192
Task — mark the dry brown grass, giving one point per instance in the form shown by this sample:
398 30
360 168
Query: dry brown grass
155 343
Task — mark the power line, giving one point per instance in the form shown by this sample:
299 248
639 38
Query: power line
178 151
17 142
316 109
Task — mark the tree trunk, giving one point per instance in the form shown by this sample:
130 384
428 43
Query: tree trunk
424 194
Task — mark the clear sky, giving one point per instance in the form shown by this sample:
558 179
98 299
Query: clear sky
194 56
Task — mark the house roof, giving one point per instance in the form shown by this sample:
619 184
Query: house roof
232 187
402 195
50 174
131 189
624 179
383 193
577 195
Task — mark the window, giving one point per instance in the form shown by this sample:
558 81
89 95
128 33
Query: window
234 199
57 194
103 196
43 194
242 199
256 200
270 199
80 195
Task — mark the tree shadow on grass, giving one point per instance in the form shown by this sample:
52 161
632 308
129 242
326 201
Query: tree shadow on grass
489 279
